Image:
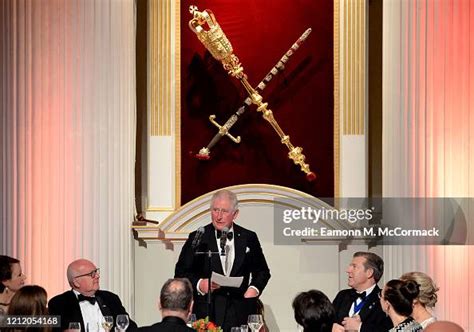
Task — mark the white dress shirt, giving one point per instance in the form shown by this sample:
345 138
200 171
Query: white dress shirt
91 315
359 300
230 253
230 259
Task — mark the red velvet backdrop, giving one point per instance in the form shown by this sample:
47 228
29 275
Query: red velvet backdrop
301 97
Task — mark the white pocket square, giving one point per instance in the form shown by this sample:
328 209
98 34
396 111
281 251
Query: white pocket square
247 249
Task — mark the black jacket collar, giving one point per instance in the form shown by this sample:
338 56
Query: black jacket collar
174 320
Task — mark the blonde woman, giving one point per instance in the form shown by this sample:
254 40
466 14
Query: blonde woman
426 300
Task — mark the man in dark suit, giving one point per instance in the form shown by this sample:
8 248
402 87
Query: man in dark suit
358 308
85 303
176 303
230 305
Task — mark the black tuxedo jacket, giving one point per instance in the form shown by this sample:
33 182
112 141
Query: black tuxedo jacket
230 308
372 316
168 324
67 306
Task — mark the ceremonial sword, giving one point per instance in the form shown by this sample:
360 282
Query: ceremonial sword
204 153
215 40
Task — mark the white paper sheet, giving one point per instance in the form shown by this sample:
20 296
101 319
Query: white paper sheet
226 281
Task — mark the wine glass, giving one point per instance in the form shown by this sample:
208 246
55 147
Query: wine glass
255 322
122 322
191 320
74 326
244 328
108 322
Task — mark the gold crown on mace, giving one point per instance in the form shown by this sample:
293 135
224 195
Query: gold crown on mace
208 31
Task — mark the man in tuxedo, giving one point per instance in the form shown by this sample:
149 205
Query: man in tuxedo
176 303
358 308
85 303
244 257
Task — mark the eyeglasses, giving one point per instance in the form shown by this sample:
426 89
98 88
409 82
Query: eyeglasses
91 274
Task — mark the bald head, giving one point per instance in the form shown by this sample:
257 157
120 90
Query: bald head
78 267
83 276
443 326
176 294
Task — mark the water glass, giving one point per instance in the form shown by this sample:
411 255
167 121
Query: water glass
122 322
244 328
191 320
108 322
74 326
255 322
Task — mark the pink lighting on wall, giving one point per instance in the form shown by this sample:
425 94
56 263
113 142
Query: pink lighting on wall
429 130
67 136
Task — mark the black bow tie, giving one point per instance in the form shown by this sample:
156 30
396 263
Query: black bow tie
90 299
356 295
230 235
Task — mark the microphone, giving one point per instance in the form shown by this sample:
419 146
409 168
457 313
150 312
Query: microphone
225 230
197 237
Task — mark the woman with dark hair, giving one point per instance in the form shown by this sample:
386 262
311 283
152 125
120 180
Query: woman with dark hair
30 300
314 312
397 299
11 280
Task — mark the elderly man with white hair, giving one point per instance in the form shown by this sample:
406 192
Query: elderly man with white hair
230 306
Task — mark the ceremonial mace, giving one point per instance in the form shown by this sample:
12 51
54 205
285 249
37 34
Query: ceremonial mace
221 49
204 153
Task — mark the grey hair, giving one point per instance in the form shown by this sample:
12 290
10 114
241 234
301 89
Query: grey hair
224 193
70 273
176 294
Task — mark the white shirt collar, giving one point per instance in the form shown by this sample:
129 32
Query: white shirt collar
368 290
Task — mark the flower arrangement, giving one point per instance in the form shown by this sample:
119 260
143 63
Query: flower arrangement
205 325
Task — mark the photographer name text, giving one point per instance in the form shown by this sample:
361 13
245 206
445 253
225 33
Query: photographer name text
369 231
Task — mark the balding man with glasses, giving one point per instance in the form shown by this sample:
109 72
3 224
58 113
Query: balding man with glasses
85 303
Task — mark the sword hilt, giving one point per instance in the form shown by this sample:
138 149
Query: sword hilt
224 130
204 153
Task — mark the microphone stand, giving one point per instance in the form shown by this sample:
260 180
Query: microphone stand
209 254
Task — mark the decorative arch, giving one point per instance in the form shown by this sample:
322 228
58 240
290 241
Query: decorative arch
196 213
